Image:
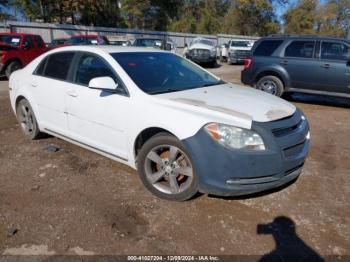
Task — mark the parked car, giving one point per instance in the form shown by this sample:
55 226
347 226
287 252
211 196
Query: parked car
184 129
17 50
202 51
238 51
159 43
308 64
120 42
58 42
88 40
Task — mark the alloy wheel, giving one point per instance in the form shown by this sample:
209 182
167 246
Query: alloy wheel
168 169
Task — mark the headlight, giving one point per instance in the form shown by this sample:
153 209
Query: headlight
235 137
213 52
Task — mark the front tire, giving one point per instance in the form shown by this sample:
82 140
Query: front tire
12 67
271 84
166 169
27 120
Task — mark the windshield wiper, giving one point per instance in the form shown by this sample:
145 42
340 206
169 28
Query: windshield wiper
167 90
213 84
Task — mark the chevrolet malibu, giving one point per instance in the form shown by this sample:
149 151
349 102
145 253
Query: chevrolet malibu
182 128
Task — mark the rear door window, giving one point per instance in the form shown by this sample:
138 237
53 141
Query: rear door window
302 49
267 47
40 69
335 51
58 65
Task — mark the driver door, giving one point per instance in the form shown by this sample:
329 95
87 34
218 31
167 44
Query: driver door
97 118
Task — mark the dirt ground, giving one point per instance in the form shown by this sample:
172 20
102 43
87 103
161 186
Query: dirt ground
76 202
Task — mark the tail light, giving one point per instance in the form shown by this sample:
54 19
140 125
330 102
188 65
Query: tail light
247 63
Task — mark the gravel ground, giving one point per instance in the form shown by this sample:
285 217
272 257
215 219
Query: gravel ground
76 202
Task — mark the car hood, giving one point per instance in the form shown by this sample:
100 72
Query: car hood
233 101
7 47
201 46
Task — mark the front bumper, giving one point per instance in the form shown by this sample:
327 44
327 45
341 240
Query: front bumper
228 172
201 60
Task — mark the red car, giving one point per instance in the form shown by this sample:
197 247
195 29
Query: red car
88 40
17 50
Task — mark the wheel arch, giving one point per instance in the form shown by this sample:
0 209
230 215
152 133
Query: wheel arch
12 60
33 105
273 72
145 135
19 98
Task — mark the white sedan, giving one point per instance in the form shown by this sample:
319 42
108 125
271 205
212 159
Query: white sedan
181 127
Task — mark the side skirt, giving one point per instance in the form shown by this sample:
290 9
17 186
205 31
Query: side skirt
93 149
317 92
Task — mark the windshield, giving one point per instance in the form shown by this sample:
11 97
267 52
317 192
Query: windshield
10 39
240 43
83 41
148 42
157 73
203 41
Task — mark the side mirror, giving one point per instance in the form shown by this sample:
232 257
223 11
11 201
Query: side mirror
103 83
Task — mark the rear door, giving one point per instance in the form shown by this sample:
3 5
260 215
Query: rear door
49 85
335 66
300 63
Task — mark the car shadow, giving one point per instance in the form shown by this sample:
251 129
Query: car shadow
318 99
289 246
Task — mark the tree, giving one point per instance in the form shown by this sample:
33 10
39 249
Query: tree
333 18
301 18
251 17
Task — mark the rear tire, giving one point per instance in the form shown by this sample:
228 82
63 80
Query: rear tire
12 67
270 84
165 168
27 120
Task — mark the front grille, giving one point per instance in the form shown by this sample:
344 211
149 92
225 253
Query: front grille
282 131
241 54
200 53
287 135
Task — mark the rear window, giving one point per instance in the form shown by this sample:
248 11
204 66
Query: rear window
267 47
58 65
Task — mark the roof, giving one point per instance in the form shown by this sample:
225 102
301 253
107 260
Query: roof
17 34
109 49
295 36
87 36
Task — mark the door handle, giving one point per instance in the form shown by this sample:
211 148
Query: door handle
326 66
72 93
34 84
284 62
